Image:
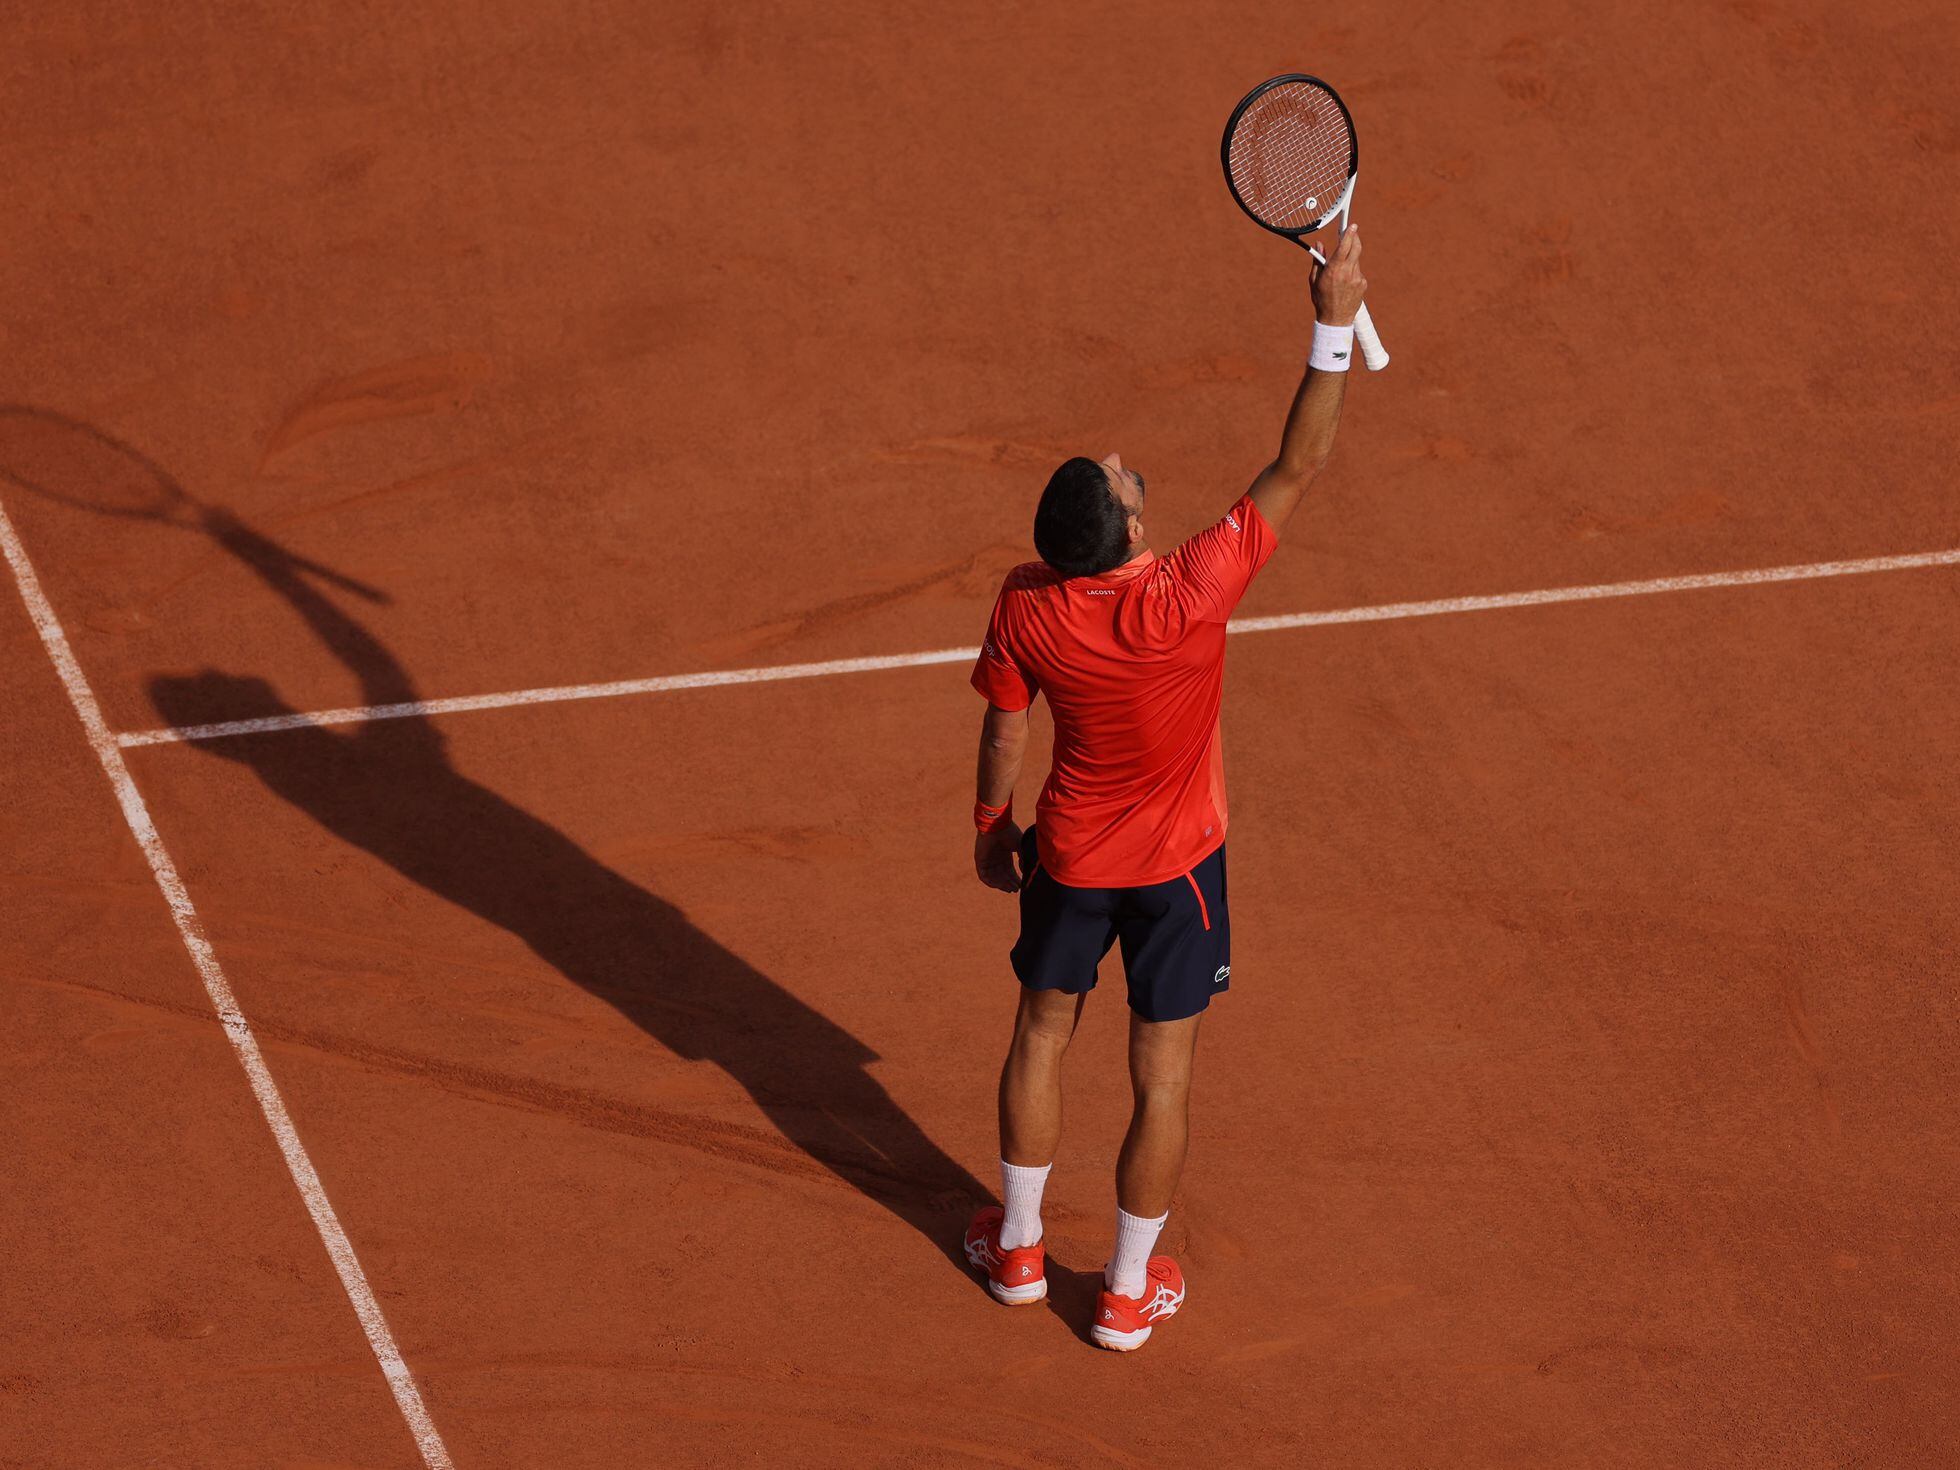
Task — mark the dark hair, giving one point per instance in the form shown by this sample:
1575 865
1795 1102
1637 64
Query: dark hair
1080 527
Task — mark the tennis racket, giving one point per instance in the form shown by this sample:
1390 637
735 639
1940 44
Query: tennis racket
65 460
71 463
1290 160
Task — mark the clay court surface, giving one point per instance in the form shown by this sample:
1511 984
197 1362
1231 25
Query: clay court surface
1585 1096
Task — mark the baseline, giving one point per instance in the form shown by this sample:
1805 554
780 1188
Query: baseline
1383 612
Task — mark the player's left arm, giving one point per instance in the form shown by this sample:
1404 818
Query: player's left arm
1003 744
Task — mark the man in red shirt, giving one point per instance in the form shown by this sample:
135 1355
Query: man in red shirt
1129 837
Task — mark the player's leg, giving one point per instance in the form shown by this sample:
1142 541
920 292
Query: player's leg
1065 932
1141 1289
1177 956
1152 1160
1031 1078
1031 1108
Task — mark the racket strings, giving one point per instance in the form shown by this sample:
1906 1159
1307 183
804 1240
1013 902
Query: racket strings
1291 156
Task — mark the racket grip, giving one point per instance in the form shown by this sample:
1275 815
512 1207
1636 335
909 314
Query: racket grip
1372 351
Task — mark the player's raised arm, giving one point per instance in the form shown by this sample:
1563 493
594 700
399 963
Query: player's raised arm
1309 438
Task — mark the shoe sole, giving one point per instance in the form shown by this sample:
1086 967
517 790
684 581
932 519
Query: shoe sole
1129 1342
1019 1296
1120 1342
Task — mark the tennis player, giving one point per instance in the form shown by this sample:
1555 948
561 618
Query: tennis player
1128 842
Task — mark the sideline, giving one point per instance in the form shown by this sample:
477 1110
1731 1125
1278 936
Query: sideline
237 1029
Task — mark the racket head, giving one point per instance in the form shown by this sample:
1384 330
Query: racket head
1290 154
61 459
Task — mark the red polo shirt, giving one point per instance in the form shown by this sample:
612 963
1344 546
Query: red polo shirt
1133 664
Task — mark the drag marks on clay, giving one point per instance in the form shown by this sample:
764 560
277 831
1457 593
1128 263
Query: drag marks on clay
478 464
798 845
1439 449
1206 367
1206 1240
975 575
1270 1347
1804 1035
409 388
1601 1357
1789 42
1701 506
1360 1303
973 449
1518 76
1532 92
173 1322
1927 130
1376 1296
1550 262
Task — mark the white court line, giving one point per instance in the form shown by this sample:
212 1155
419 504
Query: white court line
137 813
1378 613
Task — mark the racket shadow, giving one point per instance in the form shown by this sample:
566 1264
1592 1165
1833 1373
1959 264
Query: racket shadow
390 789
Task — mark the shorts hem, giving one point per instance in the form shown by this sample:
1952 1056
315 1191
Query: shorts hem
1198 1010
1081 987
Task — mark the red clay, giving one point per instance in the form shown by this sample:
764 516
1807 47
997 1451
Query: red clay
1584 1094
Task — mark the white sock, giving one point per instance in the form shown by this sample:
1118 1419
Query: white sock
1135 1235
1020 1190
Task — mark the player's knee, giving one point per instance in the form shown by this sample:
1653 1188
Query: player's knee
1046 1019
1160 1081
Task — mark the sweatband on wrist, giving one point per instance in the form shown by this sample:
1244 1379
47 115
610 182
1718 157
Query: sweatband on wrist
1333 347
992 818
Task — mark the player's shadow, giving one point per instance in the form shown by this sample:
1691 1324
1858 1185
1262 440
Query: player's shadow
389 787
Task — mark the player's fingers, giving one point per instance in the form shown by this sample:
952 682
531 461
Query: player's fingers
1350 243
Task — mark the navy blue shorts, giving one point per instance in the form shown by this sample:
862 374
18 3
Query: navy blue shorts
1177 936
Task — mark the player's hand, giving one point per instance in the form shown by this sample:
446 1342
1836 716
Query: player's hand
1339 286
993 857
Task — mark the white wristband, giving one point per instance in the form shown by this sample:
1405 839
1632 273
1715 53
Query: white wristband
1332 348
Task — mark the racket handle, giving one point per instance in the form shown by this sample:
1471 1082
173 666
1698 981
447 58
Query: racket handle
1372 351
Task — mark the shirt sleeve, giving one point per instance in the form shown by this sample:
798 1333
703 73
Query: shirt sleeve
999 674
1216 566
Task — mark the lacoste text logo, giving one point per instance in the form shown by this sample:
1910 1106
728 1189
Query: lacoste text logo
1100 591
1231 520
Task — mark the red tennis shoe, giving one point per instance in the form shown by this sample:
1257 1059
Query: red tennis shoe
1016 1277
1123 1322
